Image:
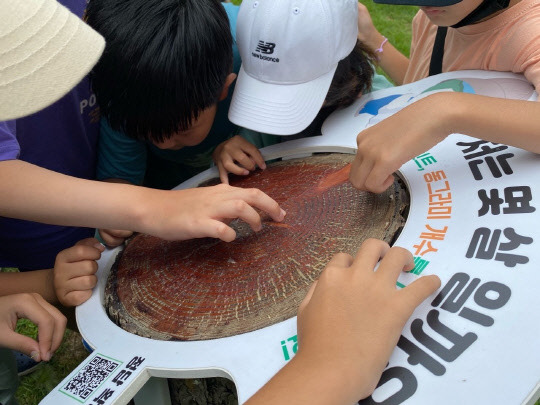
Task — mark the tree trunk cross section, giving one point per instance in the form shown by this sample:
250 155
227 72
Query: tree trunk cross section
206 289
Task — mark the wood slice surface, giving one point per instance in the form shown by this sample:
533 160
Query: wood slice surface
206 289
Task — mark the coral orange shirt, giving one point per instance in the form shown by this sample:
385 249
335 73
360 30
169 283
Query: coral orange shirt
508 42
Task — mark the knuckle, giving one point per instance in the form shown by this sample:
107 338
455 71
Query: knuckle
381 158
221 229
79 250
85 267
87 282
80 297
47 321
372 185
62 320
116 233
57 275
27 296
193 223
342 255
402 251
240 205
223 232
372 242
275 206
92 281
108 238
222 187
354 181
94 267
91 266
254 193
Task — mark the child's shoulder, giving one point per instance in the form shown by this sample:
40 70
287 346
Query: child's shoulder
521 23
525 12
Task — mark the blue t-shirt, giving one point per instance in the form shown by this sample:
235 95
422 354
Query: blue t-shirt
62 137
142 163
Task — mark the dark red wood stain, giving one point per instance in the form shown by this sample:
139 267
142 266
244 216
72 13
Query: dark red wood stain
206 289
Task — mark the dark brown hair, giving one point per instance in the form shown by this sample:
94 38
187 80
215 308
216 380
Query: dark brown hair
353 77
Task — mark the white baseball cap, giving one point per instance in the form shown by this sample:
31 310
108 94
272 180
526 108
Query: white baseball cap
45 50
290 50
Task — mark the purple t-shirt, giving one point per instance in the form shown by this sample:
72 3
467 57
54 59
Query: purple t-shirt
63 138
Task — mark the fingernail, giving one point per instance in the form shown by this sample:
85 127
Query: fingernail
245 172
100 246
47 356
263 166
283 213
35 356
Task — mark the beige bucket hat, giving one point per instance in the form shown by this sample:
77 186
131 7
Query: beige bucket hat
45 50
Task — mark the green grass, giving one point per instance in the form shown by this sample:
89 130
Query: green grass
393 22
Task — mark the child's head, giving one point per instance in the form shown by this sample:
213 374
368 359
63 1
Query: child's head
454 13
297 56
166 65
353 77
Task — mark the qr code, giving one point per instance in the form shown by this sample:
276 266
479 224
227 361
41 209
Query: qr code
90 377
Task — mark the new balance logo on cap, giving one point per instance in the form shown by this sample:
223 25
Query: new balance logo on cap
290 50
265 47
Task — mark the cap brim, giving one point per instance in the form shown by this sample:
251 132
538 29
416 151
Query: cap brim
42 77
420 3
279 109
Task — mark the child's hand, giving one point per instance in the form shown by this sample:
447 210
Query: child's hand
49 320
114 237
386 146
237 156
205 211
353 316
74 271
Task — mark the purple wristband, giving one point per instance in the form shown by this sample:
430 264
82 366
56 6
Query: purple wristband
380 48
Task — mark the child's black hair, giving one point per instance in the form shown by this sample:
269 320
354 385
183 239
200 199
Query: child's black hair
352 78
165 61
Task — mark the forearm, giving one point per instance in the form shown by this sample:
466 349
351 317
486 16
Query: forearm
511 122
392 61
41 195
305 382
38 281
